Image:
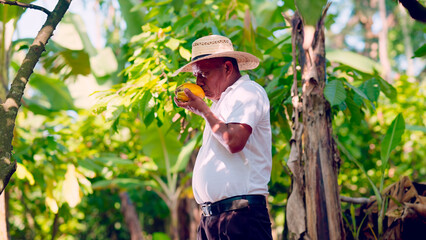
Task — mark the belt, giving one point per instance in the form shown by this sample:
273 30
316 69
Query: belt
232 203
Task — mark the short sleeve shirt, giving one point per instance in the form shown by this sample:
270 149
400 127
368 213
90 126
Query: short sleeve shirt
219 174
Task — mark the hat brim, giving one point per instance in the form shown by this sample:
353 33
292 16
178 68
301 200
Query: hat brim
246 61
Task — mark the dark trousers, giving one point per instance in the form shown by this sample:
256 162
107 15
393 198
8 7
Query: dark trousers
250 223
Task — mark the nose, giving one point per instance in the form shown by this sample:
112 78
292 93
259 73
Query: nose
200 81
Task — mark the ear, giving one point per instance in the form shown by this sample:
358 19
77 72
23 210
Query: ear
229 68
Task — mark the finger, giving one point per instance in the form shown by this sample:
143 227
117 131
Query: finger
177 102
189 93
180 104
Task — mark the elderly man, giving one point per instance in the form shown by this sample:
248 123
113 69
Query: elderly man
233 166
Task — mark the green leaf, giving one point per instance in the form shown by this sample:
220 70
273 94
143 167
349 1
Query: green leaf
354 60
357 91
160 236
113 161
335 92
416 128
143 104
355 110
22 173
133 16
70 187
182 23
78 61
8 12
163 148
387 89
420 52
371 89
185 53
122 183
173 44
185 154
54 90
90 164
392 138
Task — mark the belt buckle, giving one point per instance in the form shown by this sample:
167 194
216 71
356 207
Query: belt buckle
206 209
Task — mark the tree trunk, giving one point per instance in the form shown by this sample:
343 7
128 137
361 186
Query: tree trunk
9 109
383 42
131 217
313 209
3 218
405 24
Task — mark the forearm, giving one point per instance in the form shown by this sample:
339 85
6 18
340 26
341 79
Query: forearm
233 136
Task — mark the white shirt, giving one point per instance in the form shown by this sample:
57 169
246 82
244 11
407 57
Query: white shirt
219 174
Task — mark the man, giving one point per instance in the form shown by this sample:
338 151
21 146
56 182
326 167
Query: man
233 166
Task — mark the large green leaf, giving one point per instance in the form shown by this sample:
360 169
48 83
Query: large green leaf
161 145
133 16
392 138
8 12
185 154
56 92
354 60
335 92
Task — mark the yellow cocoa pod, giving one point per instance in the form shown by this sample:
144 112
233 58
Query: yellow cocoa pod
194 88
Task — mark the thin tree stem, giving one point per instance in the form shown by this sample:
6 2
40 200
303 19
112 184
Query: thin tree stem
26 5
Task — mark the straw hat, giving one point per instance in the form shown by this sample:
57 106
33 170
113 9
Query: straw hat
215 46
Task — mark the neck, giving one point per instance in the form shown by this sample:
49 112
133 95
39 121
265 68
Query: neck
234 78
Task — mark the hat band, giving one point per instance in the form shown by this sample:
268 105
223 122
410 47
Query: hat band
200 56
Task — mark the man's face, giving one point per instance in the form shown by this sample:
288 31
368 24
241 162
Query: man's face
211 77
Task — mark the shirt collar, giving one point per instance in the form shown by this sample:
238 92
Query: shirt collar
233 86
237 83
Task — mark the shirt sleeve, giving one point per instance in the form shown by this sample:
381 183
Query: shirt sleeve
247 104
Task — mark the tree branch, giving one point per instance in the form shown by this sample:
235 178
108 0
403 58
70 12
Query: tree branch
9 109
26 5
359 200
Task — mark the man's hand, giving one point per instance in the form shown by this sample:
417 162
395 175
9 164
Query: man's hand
195 104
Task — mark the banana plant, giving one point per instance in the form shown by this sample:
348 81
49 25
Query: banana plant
165 174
